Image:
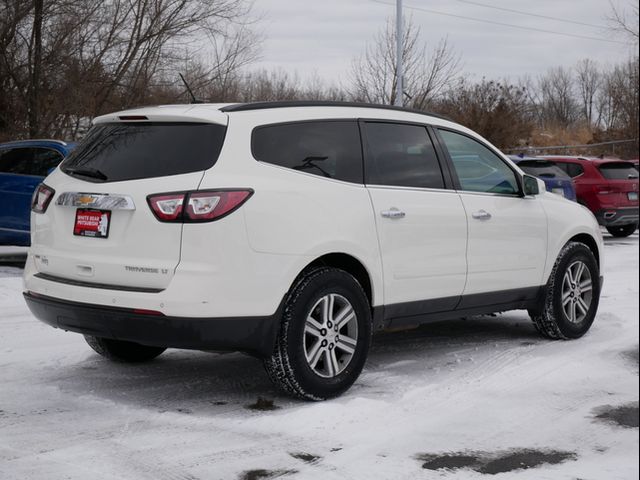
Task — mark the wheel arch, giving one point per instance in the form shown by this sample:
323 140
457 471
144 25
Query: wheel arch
349 264
590 242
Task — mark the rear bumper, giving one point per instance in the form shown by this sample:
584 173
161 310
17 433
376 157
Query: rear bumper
255 335
617 216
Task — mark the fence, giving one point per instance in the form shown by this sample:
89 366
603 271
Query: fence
593 149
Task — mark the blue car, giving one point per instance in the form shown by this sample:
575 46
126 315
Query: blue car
23 166
556 180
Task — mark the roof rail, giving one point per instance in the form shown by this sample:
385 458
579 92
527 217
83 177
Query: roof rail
59 142
242 107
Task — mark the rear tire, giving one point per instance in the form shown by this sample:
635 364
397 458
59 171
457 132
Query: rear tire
572 295
121 351
324 337
622 230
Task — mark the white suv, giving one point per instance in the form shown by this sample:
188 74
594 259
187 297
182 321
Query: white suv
293 231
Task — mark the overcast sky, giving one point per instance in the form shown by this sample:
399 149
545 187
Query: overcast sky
321 37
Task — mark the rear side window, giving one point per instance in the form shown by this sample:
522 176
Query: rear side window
126 151
543 168
328 149
401 155
618 171
36 161
572 169
478 168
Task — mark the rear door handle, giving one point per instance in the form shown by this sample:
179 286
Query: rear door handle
481 215
393 213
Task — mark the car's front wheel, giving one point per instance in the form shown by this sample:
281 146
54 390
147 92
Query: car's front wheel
324 337
622 230
121 351
572 294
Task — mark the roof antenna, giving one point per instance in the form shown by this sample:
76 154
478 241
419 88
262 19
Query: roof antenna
193 97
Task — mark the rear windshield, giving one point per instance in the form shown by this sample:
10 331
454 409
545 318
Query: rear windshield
544 169
618 171
127 151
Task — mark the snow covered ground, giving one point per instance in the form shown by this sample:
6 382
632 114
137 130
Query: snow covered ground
480 396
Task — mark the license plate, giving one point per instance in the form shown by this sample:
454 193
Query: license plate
558 191
92 223
633 196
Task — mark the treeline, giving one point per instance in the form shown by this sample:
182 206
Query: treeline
63 62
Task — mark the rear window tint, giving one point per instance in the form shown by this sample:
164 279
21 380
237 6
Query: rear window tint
618 171
37 161
542 168
401 155
126 151
572 169
328 149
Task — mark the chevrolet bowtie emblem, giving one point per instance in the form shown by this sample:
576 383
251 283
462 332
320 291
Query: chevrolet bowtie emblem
85 200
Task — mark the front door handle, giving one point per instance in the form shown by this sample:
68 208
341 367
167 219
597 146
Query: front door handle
481 215
393 213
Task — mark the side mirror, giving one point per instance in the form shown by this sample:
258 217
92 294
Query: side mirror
530 185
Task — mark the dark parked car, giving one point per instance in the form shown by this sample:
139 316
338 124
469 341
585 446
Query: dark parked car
23 166
555 179
608 187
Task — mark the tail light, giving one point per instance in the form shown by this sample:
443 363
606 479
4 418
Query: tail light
41 198
167 207
197 206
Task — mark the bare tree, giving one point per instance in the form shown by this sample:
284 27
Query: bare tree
498 110
98 55
619 102
624 22
588 82
558 102
373 74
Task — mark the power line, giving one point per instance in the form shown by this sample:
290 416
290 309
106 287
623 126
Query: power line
520 12
510 25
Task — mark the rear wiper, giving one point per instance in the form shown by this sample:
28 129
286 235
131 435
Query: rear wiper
86 172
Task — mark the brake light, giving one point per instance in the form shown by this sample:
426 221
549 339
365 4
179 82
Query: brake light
197 206
128 118
144 311
41 198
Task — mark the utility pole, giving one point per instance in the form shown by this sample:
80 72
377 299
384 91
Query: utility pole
399 88
33 91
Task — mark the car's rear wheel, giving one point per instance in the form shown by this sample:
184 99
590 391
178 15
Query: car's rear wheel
622 230
572 294
324 337
121 351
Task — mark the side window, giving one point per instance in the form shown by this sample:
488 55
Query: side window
17 160
572 169
401 155
564 167
575 169
326 148
478 168
44 159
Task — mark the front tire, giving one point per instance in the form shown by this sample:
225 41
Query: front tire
572 295
324 337
121 351
622 230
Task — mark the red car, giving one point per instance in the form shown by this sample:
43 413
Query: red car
607 187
